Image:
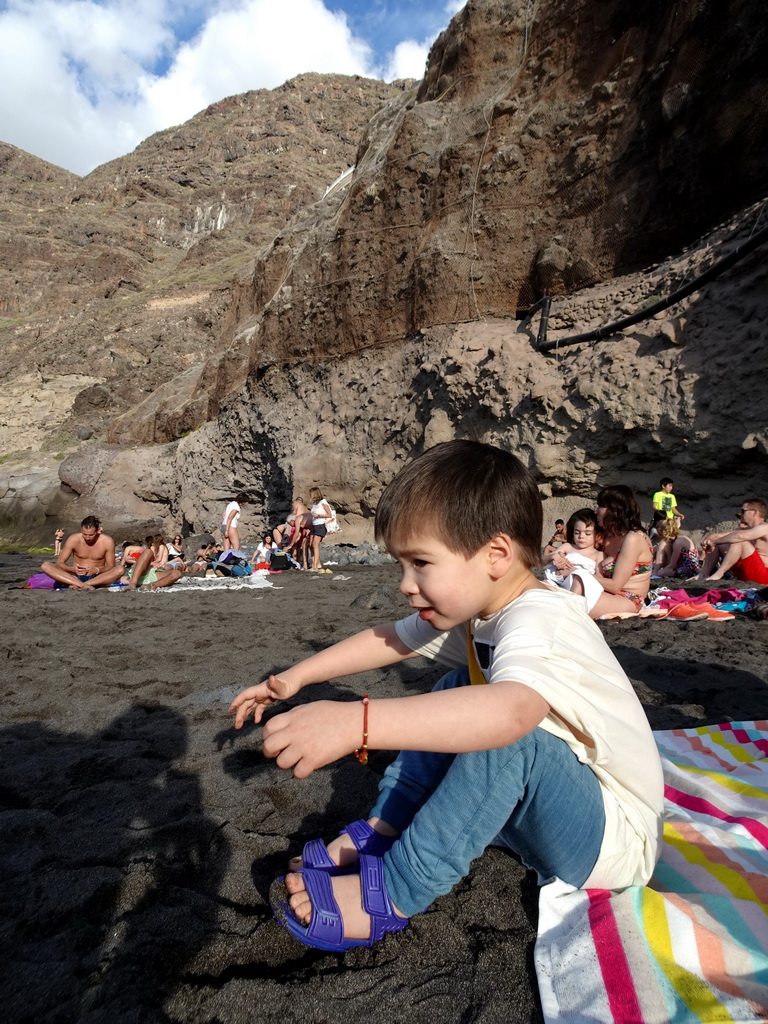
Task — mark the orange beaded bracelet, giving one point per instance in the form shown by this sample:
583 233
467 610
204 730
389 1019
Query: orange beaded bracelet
362 751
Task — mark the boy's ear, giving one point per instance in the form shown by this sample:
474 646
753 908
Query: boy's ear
502 554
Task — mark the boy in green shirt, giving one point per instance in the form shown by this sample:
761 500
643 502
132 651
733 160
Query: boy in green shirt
664 502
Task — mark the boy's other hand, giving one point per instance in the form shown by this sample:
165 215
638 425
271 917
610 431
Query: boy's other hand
256 699
312 735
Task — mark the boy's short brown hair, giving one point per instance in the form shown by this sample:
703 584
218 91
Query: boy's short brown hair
466 493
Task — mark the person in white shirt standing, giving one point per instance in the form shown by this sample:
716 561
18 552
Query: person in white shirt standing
321 516
230 524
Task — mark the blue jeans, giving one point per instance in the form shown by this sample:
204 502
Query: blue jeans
533 796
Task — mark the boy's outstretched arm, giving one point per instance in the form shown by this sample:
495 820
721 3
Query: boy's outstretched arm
373 648
449 721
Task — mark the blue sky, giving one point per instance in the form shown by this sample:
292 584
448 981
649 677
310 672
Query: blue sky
84 81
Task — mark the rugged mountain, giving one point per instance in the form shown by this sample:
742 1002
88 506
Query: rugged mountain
123 275
604 151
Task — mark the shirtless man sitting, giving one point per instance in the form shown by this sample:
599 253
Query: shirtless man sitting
93 555
558 538
744 551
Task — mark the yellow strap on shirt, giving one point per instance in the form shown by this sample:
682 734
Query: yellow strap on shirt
476 676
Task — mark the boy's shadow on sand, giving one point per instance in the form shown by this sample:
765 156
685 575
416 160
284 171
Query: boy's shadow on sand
107 858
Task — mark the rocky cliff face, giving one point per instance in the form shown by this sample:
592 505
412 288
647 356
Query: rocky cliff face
668 397
577 149
124 275
547 147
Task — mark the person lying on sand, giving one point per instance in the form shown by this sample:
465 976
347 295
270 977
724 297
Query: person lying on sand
203 559
145 575
743 551
93 555
555 759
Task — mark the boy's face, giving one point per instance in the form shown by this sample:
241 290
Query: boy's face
668 488
583 534
445 587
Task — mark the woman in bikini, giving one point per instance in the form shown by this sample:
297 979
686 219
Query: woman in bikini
624 572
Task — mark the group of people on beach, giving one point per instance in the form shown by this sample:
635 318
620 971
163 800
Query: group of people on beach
606 555
89 559
301 535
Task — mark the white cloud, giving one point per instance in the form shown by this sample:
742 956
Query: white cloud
408 60
84 81
259 44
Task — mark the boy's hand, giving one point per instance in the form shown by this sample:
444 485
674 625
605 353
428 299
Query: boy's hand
312 735
563 566
256 699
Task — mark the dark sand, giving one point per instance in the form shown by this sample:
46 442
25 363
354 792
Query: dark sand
140 834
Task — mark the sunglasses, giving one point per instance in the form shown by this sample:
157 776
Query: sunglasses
743 511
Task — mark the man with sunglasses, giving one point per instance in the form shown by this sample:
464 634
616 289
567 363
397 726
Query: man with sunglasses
744 551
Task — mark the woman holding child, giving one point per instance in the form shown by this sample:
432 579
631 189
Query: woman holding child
555 759
624 571
574 563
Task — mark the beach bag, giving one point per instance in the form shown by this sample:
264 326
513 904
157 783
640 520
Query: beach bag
278 562
232 564
240 569
41 581
232 557
332 524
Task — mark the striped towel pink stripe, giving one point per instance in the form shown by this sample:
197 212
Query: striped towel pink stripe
692 945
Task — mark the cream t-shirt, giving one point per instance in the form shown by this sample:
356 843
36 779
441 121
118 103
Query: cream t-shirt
546 640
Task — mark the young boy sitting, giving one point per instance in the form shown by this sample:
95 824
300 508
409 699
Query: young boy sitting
555 759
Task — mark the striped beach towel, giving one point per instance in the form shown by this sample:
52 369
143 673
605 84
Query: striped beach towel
693 944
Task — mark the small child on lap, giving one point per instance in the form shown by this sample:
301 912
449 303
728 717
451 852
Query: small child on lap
554 759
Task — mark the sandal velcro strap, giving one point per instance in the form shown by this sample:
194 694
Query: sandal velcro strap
326 925
367 839
315 855
375 898
364 838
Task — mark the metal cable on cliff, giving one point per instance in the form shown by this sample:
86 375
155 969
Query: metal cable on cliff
710 274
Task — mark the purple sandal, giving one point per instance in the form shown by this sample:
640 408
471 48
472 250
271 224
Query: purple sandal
366 840
326 929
